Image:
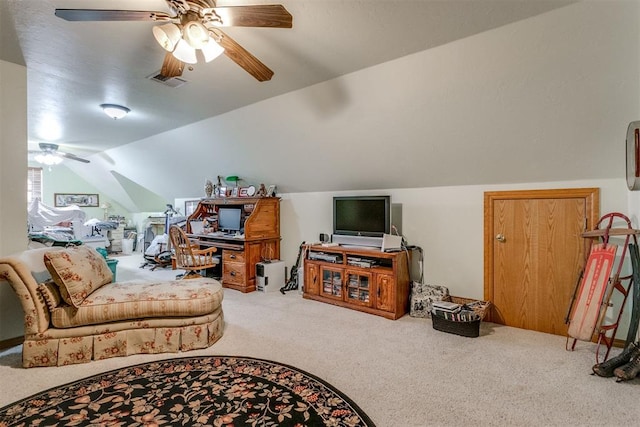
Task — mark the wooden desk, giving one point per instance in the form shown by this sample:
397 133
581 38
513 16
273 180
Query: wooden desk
261 220
219 242
239 258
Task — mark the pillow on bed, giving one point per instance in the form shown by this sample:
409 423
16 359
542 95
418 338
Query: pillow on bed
78 271
50 293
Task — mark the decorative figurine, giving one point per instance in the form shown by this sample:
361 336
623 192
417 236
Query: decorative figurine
262 191
208 188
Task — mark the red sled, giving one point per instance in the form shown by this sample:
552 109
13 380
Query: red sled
591 292
592 306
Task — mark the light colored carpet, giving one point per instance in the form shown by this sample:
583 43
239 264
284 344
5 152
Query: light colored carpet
401 373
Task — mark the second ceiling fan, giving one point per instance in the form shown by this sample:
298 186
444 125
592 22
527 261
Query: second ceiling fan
195 25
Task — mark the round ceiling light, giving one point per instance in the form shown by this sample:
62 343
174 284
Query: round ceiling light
115 111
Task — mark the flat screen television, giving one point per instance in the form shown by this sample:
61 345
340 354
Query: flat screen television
229 218
362 215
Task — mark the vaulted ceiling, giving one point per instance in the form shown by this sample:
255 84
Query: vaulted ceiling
72 67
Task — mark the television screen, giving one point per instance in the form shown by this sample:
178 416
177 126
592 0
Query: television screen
229 219
362 215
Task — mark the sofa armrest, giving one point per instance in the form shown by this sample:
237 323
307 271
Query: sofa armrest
23 271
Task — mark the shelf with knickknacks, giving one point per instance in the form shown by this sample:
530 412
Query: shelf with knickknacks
264 191
214 190
232 188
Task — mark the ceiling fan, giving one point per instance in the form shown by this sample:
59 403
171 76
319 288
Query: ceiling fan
195 25
49 154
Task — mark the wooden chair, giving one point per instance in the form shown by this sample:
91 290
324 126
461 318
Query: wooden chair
189 256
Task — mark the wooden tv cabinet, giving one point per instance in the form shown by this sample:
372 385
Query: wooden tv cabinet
361 279
261 218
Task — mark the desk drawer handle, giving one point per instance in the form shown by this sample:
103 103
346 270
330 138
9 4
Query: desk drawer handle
233 273
232 256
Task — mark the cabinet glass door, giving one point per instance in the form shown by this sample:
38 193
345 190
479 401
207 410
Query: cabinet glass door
332 283
359 288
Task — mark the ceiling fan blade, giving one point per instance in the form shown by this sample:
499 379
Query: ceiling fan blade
172 66
110 15
246 60
269 15
73 157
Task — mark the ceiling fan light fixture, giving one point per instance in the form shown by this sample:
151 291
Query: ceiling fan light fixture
115 111
185 53
167 35
49 159
195 34
211 50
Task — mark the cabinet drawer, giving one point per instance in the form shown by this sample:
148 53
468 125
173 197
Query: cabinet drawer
233 272
232 256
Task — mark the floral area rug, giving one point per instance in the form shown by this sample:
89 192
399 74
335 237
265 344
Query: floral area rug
191 391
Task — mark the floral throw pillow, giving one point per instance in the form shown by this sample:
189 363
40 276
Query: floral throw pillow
78 271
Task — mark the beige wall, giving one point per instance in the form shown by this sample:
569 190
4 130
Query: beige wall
13 184
13 157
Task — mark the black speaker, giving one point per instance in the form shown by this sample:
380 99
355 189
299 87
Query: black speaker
324 238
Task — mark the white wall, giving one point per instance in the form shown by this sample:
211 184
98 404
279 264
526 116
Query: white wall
13 185
540 100
447 222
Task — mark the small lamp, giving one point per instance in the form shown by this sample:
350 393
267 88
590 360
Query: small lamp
185 53
211 50
167 36
115 111
106 206
195 34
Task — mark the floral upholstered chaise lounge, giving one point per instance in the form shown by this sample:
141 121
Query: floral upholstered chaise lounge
74 313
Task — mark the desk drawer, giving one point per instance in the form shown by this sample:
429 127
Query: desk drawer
232 256
233 273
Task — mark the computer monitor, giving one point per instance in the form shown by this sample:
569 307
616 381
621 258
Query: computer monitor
229 219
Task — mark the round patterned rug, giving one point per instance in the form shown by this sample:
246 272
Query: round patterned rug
191 391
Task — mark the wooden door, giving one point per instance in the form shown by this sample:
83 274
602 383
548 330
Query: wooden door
534 253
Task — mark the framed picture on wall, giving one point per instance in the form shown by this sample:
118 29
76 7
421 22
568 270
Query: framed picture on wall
79 199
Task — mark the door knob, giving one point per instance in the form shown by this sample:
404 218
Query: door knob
500 238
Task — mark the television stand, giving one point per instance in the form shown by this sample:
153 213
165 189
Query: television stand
363 279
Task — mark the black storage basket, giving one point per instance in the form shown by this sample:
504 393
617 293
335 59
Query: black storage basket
466 329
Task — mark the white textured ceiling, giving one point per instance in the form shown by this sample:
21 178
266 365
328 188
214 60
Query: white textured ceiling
72 67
